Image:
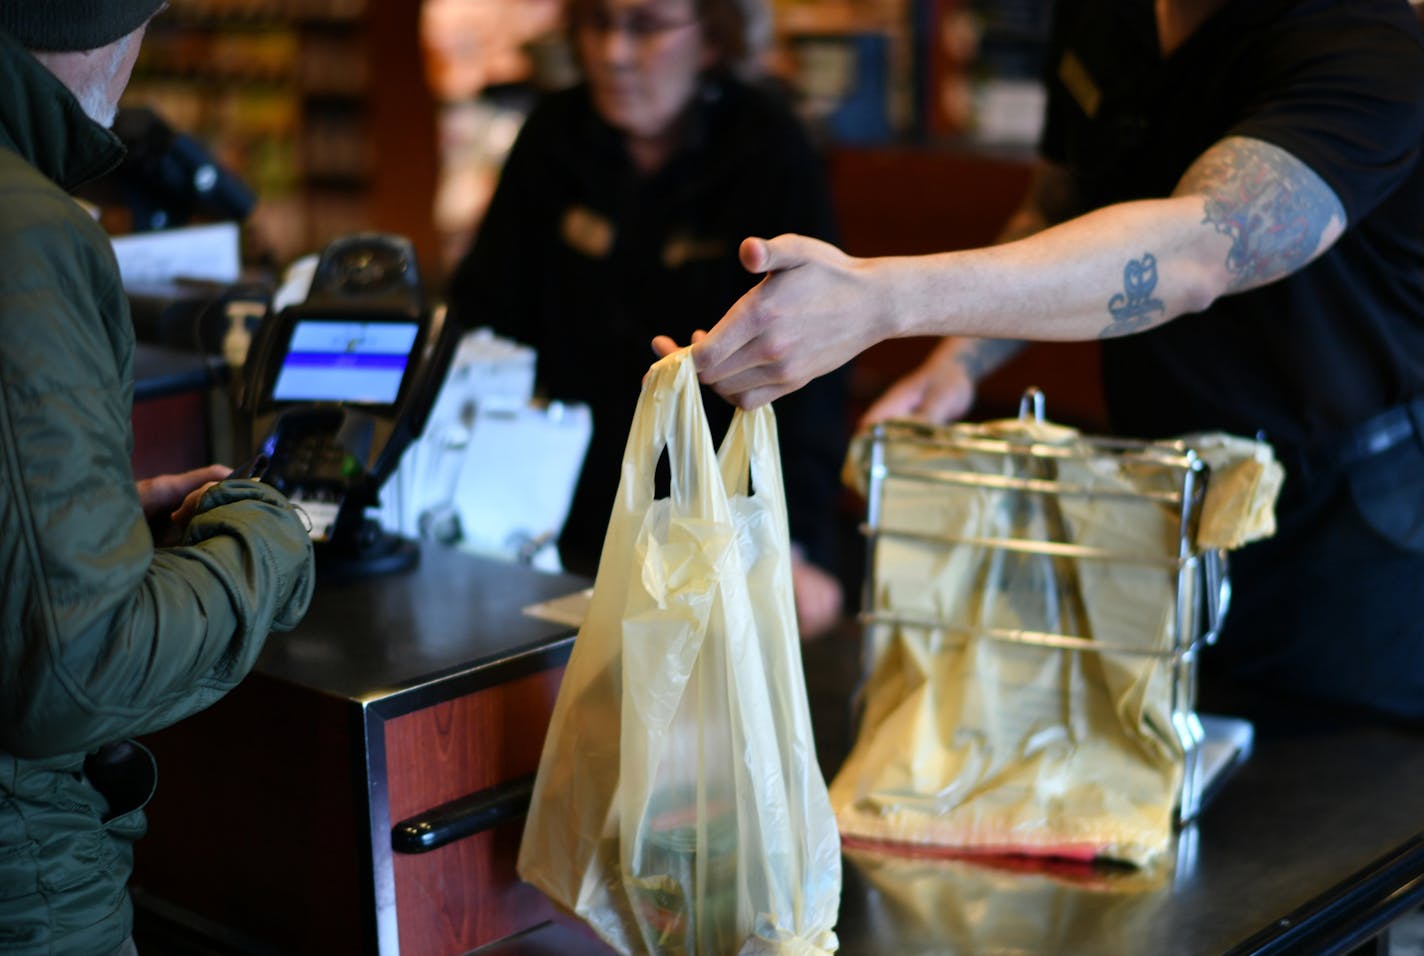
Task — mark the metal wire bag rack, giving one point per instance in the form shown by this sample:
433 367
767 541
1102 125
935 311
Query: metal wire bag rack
1170 479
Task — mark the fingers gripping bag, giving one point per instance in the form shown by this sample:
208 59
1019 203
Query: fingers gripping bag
678 807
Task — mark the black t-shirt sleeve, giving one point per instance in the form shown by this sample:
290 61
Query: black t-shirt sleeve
1345 95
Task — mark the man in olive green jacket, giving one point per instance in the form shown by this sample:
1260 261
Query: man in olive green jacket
102 635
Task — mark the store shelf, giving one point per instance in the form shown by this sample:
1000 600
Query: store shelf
318 105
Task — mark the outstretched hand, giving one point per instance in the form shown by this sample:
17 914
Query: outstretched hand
815 309
938 391
818 598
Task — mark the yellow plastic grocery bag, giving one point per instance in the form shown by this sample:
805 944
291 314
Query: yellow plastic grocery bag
1036 600
678 806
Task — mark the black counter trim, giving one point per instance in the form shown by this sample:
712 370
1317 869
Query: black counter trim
1352 912
160 372
460 682
368 783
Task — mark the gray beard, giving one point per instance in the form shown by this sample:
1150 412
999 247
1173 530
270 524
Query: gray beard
97 107
94 100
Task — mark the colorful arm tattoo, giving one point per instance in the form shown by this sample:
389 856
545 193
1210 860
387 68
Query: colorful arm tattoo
1272 206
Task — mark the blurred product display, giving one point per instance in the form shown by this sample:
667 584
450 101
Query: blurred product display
168 177
342 115
290 96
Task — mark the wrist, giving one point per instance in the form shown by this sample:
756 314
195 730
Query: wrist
893 286
950 351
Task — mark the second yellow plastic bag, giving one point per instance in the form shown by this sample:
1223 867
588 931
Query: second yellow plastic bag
678 806
1034 597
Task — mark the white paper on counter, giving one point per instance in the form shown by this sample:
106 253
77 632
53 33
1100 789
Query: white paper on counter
209 252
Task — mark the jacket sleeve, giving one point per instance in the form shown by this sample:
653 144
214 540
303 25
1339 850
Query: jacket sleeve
103 636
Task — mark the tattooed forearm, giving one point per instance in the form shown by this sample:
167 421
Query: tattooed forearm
1273 207
979 357
1134 308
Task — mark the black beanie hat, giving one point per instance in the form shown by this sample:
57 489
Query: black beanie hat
63 25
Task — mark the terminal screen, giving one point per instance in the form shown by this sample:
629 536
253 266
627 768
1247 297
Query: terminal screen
345 361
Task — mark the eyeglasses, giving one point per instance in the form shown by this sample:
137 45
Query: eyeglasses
640 25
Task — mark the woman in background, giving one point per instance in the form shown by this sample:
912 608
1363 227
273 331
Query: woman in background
617 217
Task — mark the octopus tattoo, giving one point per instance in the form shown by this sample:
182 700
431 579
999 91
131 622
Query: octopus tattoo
1274 208
1133 308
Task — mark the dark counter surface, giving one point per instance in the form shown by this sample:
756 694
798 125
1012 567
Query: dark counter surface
453 617
1314 841
1312 846
161 371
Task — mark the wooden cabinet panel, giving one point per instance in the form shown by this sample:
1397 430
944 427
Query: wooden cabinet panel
465 894
251 828
272 828
170 434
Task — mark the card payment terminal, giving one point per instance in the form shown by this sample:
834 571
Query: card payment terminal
336 387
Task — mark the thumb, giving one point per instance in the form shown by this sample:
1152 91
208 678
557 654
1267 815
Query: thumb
755 254
786 251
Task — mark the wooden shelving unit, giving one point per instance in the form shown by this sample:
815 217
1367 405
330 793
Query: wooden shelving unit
320 106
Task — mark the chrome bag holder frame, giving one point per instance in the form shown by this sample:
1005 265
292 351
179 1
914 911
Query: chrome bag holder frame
1198 572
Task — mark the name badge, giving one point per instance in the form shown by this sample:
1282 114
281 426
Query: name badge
682 249
585 231
1079 83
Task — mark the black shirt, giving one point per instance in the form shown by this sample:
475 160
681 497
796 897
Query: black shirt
1339 85
1330 607
586 259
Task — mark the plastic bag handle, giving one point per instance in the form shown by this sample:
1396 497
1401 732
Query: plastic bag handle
750 450
670 416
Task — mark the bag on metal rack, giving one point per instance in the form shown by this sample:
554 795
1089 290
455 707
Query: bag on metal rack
1033 615
678 806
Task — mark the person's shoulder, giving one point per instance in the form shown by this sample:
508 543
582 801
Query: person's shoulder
558 137
1396 12
559 114
1377 25
537 148
1372 48
30 197
42 222
1397 30
763 100
763 112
